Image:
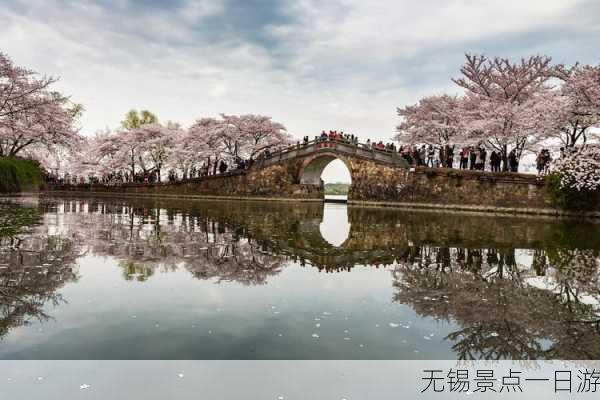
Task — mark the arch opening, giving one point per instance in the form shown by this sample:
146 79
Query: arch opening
330 172
311 174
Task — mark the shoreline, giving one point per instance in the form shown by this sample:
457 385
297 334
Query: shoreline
469 209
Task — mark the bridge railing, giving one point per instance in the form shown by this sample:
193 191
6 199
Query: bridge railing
278 155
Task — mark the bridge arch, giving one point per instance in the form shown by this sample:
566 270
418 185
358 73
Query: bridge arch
313 166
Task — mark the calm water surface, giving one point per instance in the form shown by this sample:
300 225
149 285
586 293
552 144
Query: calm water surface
156 279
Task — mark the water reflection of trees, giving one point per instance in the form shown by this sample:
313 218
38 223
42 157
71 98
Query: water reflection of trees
545 309
33 266
538 302
145 239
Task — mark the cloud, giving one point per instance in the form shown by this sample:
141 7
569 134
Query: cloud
310 64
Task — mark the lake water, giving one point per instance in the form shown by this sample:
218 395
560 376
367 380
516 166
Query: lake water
156 279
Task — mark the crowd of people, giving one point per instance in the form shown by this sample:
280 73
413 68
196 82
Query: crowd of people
467 158
152 176
476 158
470 157
335 136
543 160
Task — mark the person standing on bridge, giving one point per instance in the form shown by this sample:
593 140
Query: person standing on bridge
430 155
478 160
483 157
495 161
513 161
422 155
222 167
472 157
449 155
464 158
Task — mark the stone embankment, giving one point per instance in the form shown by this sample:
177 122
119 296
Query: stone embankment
378 179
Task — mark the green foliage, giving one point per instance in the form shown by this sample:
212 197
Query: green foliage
17 174
16 219
134 119
337 188
569 198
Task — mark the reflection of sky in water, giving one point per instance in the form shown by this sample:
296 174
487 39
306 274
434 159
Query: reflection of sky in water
335 227
173 316
212 281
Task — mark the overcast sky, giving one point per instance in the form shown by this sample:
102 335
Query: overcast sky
311 65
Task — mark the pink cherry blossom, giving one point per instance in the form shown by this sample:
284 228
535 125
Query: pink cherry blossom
32 117
433 120
579 168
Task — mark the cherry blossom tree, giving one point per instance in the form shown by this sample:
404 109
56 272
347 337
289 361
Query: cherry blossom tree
157 142
109 151
202 141
190 147
235 136
432 120
577 105
129 149
245 136
137 144
31 116
257 133
85 160
20 90
91 156
579 168
504 102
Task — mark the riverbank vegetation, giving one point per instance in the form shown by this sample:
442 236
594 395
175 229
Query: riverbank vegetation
574 182
18 174
338 189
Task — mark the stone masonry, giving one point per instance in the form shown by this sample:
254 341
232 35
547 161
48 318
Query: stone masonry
377 179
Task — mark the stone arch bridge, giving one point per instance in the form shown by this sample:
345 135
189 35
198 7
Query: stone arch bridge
370 169
378 176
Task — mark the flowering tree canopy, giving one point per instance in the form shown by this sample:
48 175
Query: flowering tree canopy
257 133
200 142
157 142
578 105
433 120
509 107
147 147
245 136
31 116
579 168
504 101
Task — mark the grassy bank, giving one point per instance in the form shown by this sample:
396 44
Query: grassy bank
17 174
337 188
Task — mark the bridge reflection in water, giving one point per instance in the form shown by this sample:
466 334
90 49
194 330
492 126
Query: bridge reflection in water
507 287
335 227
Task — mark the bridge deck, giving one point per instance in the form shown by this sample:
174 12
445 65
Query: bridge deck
340 147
